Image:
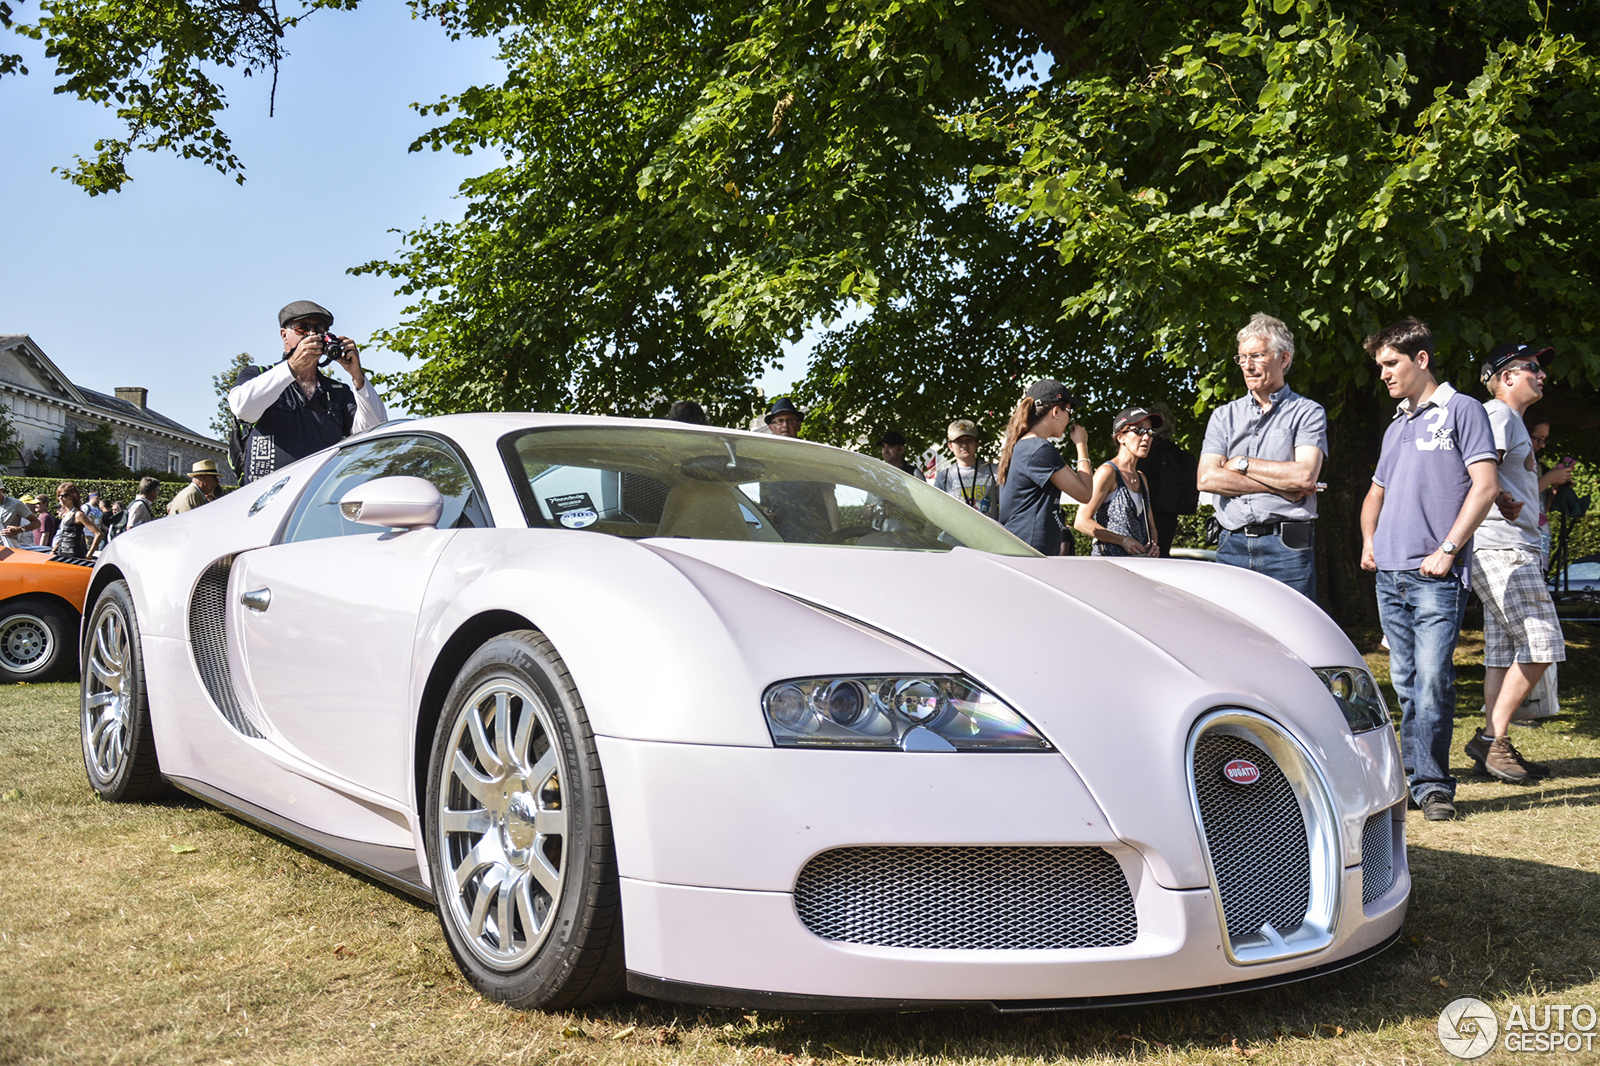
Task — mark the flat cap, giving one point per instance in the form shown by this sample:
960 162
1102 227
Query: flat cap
302 309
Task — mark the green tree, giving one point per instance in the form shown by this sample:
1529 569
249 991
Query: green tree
686 187
10 442
82 453
156 65
222 384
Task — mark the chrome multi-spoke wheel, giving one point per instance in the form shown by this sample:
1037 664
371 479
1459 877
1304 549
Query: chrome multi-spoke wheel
35 634
119 751
108 696
502 824
519 849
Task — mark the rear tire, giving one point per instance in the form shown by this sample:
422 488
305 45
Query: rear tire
119 748
37 639
519 835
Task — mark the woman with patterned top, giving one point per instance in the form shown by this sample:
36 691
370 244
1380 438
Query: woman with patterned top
77 529
1117 516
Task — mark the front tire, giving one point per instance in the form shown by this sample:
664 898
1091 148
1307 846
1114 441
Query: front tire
119 748
519 834
37 639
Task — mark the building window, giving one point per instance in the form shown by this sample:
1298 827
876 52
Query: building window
132 459
173 460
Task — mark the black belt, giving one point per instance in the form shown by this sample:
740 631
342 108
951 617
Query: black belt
1268 529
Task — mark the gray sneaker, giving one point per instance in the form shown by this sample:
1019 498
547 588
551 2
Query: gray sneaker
1436 807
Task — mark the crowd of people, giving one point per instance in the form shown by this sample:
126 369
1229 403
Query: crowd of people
1456 505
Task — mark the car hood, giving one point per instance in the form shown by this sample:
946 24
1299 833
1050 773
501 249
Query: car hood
1111 665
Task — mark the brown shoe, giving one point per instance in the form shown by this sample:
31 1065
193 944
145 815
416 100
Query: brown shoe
1506 763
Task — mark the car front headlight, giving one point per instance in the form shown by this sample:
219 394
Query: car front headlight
909 713
1358 697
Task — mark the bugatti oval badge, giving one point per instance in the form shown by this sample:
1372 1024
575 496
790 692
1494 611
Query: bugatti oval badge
1242 772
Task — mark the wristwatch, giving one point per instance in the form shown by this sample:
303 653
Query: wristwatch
1449 547
1242 464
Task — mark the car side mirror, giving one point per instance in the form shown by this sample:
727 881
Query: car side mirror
397 502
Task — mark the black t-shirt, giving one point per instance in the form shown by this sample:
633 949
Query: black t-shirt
1030 506
295 426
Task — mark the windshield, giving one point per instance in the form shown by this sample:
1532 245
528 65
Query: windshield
650 482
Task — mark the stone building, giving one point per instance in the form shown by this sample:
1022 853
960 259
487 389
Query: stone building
44 403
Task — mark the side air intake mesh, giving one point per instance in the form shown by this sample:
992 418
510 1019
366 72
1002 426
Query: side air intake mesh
208 639
977 897
1377 856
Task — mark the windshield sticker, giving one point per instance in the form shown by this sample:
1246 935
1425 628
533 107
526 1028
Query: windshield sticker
579 517
572 501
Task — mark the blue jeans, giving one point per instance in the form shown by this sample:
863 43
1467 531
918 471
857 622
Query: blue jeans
1295 567
1422 618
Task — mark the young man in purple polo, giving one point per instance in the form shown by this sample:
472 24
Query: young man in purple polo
1436 479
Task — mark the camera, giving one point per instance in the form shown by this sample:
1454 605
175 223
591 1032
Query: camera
332 349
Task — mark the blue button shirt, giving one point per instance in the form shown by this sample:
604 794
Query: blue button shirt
1244 428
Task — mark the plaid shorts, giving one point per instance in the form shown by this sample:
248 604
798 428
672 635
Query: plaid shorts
1519 618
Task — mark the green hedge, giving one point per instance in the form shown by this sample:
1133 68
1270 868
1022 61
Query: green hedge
1584 534
45 489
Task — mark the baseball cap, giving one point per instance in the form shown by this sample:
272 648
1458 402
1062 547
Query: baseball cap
302 309
1050 393
1135 414
1506 353
894 436
962 427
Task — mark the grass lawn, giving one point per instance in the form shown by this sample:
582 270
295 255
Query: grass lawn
172 933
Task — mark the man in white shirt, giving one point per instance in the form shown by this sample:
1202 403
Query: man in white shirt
16 518
1521 634
292 410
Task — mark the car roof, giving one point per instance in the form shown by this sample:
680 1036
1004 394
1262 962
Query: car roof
484 428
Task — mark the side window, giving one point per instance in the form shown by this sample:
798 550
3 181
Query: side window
317 514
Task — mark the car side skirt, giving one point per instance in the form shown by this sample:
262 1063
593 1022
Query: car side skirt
395 867
745 999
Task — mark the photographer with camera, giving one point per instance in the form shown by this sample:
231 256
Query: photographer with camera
293 410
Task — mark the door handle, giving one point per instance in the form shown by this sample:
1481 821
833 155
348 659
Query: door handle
259 600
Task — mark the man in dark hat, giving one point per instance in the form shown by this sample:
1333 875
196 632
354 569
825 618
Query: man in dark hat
803 511
893 447
784 418
293 410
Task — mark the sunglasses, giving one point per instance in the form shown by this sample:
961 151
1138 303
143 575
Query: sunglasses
1143 431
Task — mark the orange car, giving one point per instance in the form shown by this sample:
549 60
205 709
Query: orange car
41 600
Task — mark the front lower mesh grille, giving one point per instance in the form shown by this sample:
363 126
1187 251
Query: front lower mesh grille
1377 856
1260 854
1014 898
208 640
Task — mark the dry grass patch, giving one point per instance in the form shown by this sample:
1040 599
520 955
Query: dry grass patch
173 934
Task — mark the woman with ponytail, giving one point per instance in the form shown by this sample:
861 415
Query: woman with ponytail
1033 475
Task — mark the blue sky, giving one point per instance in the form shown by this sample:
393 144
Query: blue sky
160 285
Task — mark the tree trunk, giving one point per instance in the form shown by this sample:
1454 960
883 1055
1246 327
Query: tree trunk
1357 417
